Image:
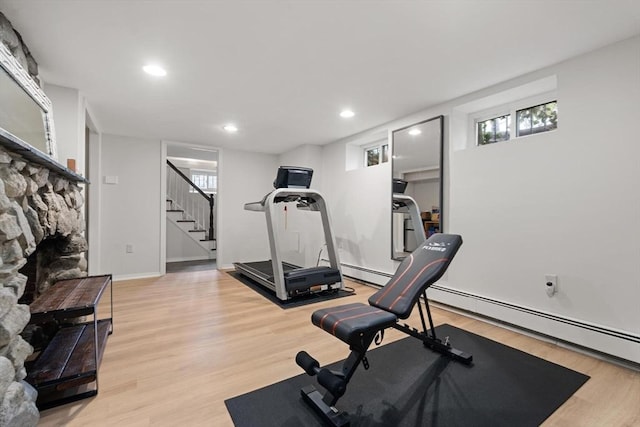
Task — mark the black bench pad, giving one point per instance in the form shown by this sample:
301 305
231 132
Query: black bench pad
350 321
416 273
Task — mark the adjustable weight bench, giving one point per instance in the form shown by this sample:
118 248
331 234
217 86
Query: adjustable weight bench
359 324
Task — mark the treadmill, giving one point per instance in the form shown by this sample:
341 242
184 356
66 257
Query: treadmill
285 279
401 203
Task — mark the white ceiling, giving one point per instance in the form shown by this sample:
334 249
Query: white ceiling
282 70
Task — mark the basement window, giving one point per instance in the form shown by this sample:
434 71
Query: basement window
531 117
504 115
376 155
540 118
494 130
207 181
367 150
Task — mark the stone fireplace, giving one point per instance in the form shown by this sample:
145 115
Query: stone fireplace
41 242
41 225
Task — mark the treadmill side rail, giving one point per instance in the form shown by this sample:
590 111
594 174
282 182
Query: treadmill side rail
407 204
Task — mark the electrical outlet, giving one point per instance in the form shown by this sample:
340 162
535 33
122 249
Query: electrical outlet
551 284
129 248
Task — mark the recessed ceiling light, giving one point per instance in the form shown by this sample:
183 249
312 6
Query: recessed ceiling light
414 132
155 70
346 114
230 128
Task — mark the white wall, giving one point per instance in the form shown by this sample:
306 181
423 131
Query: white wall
564 203
425 193
243 177
308 156
93 196
131 209
69 114
360 206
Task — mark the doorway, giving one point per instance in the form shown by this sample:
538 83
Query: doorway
191 207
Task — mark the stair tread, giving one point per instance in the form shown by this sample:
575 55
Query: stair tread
175 210
186 220
197 231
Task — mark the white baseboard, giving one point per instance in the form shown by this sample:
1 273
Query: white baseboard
190 258
117 277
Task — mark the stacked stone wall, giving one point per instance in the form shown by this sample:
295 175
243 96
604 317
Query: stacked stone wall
38 210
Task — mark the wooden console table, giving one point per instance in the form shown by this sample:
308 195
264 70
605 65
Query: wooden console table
66 368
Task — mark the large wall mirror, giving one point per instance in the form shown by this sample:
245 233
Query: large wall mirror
25 111
417 178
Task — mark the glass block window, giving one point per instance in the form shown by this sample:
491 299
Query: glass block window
494 130
540 118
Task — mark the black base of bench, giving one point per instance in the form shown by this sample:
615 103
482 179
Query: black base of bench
329 414
437 344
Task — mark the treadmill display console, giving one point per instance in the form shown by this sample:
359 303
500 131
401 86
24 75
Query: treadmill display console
399 185
293 176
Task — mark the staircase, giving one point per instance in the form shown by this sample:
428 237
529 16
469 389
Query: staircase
190 218
180 218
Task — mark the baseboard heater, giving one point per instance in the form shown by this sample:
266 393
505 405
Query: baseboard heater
566 320
576 323
363 269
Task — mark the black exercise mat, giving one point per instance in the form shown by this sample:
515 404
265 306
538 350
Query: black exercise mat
296 302
409 385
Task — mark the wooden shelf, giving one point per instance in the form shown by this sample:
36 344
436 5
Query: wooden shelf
70 356
68 364
69 298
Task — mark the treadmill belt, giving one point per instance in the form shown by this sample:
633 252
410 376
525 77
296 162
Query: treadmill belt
265 268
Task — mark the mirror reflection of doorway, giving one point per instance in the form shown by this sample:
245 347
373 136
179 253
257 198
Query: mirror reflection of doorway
417 152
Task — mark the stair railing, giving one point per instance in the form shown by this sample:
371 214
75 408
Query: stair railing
185 195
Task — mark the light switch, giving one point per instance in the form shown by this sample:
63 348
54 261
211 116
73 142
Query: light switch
110 179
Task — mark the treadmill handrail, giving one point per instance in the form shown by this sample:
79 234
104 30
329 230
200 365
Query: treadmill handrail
403 201
282 193
254 206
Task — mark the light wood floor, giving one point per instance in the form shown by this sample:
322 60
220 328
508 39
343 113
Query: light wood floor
185 342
